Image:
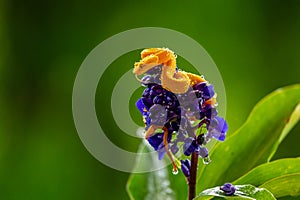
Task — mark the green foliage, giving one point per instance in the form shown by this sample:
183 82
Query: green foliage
268 171
281 177
287 185
245 155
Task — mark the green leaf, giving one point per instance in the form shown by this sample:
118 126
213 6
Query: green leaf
256 141
291 121
287 185
242 192
281 177
269 171
160 184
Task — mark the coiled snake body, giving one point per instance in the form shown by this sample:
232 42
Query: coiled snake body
176 82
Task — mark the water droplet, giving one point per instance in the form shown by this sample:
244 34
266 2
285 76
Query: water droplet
175 171
206 160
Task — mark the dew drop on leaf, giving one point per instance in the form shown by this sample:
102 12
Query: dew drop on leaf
175 171
206 160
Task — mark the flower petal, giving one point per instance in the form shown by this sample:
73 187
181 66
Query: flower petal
156 140
185 167
218 128
140 105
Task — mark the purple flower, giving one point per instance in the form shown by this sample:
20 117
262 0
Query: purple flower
156 140
147 119
228 189
186 167
218 128
208 111
180 115
190 146
140 105
158 115
204 90
147 102
208 92
174 148
161 152
203 152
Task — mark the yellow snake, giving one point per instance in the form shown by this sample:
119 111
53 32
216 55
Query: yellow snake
176 82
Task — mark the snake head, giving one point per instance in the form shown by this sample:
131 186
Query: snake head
145 64
153 57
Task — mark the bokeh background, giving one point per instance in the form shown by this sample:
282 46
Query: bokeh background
255 45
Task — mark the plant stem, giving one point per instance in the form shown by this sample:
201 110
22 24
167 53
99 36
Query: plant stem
193 176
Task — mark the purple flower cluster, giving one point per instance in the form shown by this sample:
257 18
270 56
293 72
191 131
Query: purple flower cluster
191 119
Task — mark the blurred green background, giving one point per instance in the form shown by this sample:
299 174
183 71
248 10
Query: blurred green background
255 45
